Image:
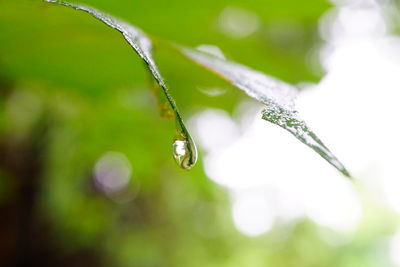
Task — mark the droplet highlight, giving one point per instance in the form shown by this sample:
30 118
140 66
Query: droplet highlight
185 153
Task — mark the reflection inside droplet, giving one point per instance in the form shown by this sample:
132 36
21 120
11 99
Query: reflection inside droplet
185 153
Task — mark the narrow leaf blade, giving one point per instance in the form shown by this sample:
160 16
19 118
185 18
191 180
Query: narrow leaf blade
277 96
290 121
138 40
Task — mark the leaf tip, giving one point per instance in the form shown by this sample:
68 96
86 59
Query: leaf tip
347 174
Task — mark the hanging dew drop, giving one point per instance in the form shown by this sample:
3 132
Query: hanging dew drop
183 148
185 153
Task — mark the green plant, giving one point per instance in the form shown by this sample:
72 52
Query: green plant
277 96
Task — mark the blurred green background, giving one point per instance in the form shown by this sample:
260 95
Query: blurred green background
72 91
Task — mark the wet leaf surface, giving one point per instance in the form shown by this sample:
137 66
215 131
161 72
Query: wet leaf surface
138 40
277 96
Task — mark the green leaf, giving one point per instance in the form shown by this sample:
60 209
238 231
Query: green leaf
185 151
277 96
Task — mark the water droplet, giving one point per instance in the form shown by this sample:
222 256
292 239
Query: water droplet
211 49
185 153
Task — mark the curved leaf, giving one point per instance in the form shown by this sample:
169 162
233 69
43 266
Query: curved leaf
277 96
186 152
